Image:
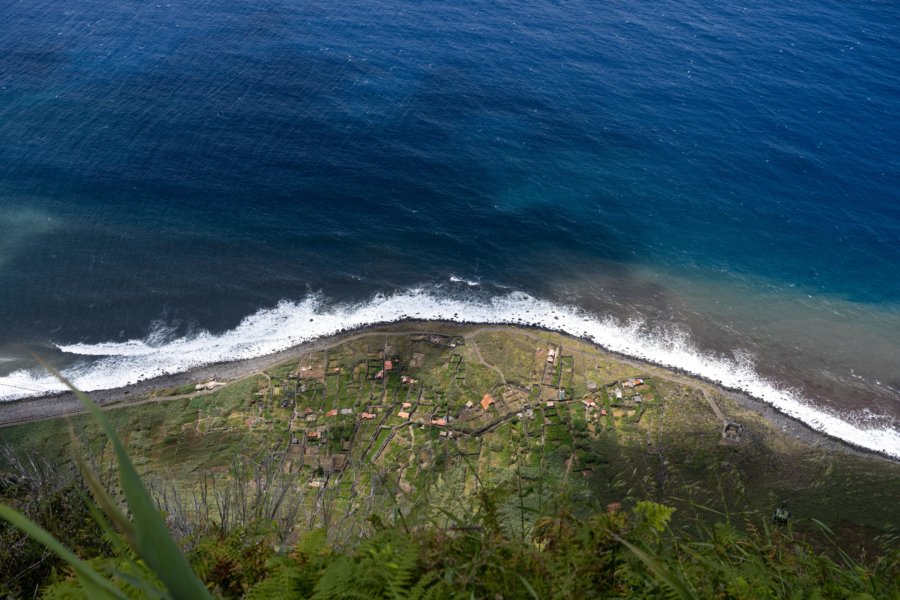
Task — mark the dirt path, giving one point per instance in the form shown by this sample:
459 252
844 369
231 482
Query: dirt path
27 410
61 405
715 407
471 340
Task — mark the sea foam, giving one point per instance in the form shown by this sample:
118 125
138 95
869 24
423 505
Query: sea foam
290 323
468 282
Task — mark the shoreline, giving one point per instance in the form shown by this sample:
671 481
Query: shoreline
63 404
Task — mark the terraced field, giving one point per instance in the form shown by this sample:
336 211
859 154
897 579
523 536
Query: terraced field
413 424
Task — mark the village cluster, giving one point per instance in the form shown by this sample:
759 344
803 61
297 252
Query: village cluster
348 408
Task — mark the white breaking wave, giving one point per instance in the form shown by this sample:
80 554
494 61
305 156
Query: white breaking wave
468 282
290 323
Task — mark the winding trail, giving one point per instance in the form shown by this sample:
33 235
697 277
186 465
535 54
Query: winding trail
65 404
59 405
715 407
30 409
471 338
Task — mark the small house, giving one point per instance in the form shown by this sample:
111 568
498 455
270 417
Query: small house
486 401
551 355
209 385
403 414
388 365
733 431
367 416
781 515
332 413
439 422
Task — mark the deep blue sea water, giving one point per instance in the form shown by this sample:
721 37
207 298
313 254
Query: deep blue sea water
714 186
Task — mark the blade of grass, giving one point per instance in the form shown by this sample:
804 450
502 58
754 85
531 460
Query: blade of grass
119 545
662 574
528 587
124 553
143 586
153 542
102 497
829 534
94 584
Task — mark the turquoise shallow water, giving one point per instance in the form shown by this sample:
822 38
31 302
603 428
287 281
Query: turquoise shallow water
725 176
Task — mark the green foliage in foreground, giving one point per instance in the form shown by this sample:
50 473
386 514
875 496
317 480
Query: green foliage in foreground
128 552
146 534
607 555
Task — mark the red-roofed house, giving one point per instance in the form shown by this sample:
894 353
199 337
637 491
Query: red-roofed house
388 365
486 401
332 413
403 414
439 422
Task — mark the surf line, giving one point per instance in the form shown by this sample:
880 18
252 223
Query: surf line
291 323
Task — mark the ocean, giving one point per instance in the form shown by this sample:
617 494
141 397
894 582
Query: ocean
710 186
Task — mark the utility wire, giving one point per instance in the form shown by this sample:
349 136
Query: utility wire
19 387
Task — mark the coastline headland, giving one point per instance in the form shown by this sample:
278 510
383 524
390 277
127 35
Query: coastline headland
166 387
